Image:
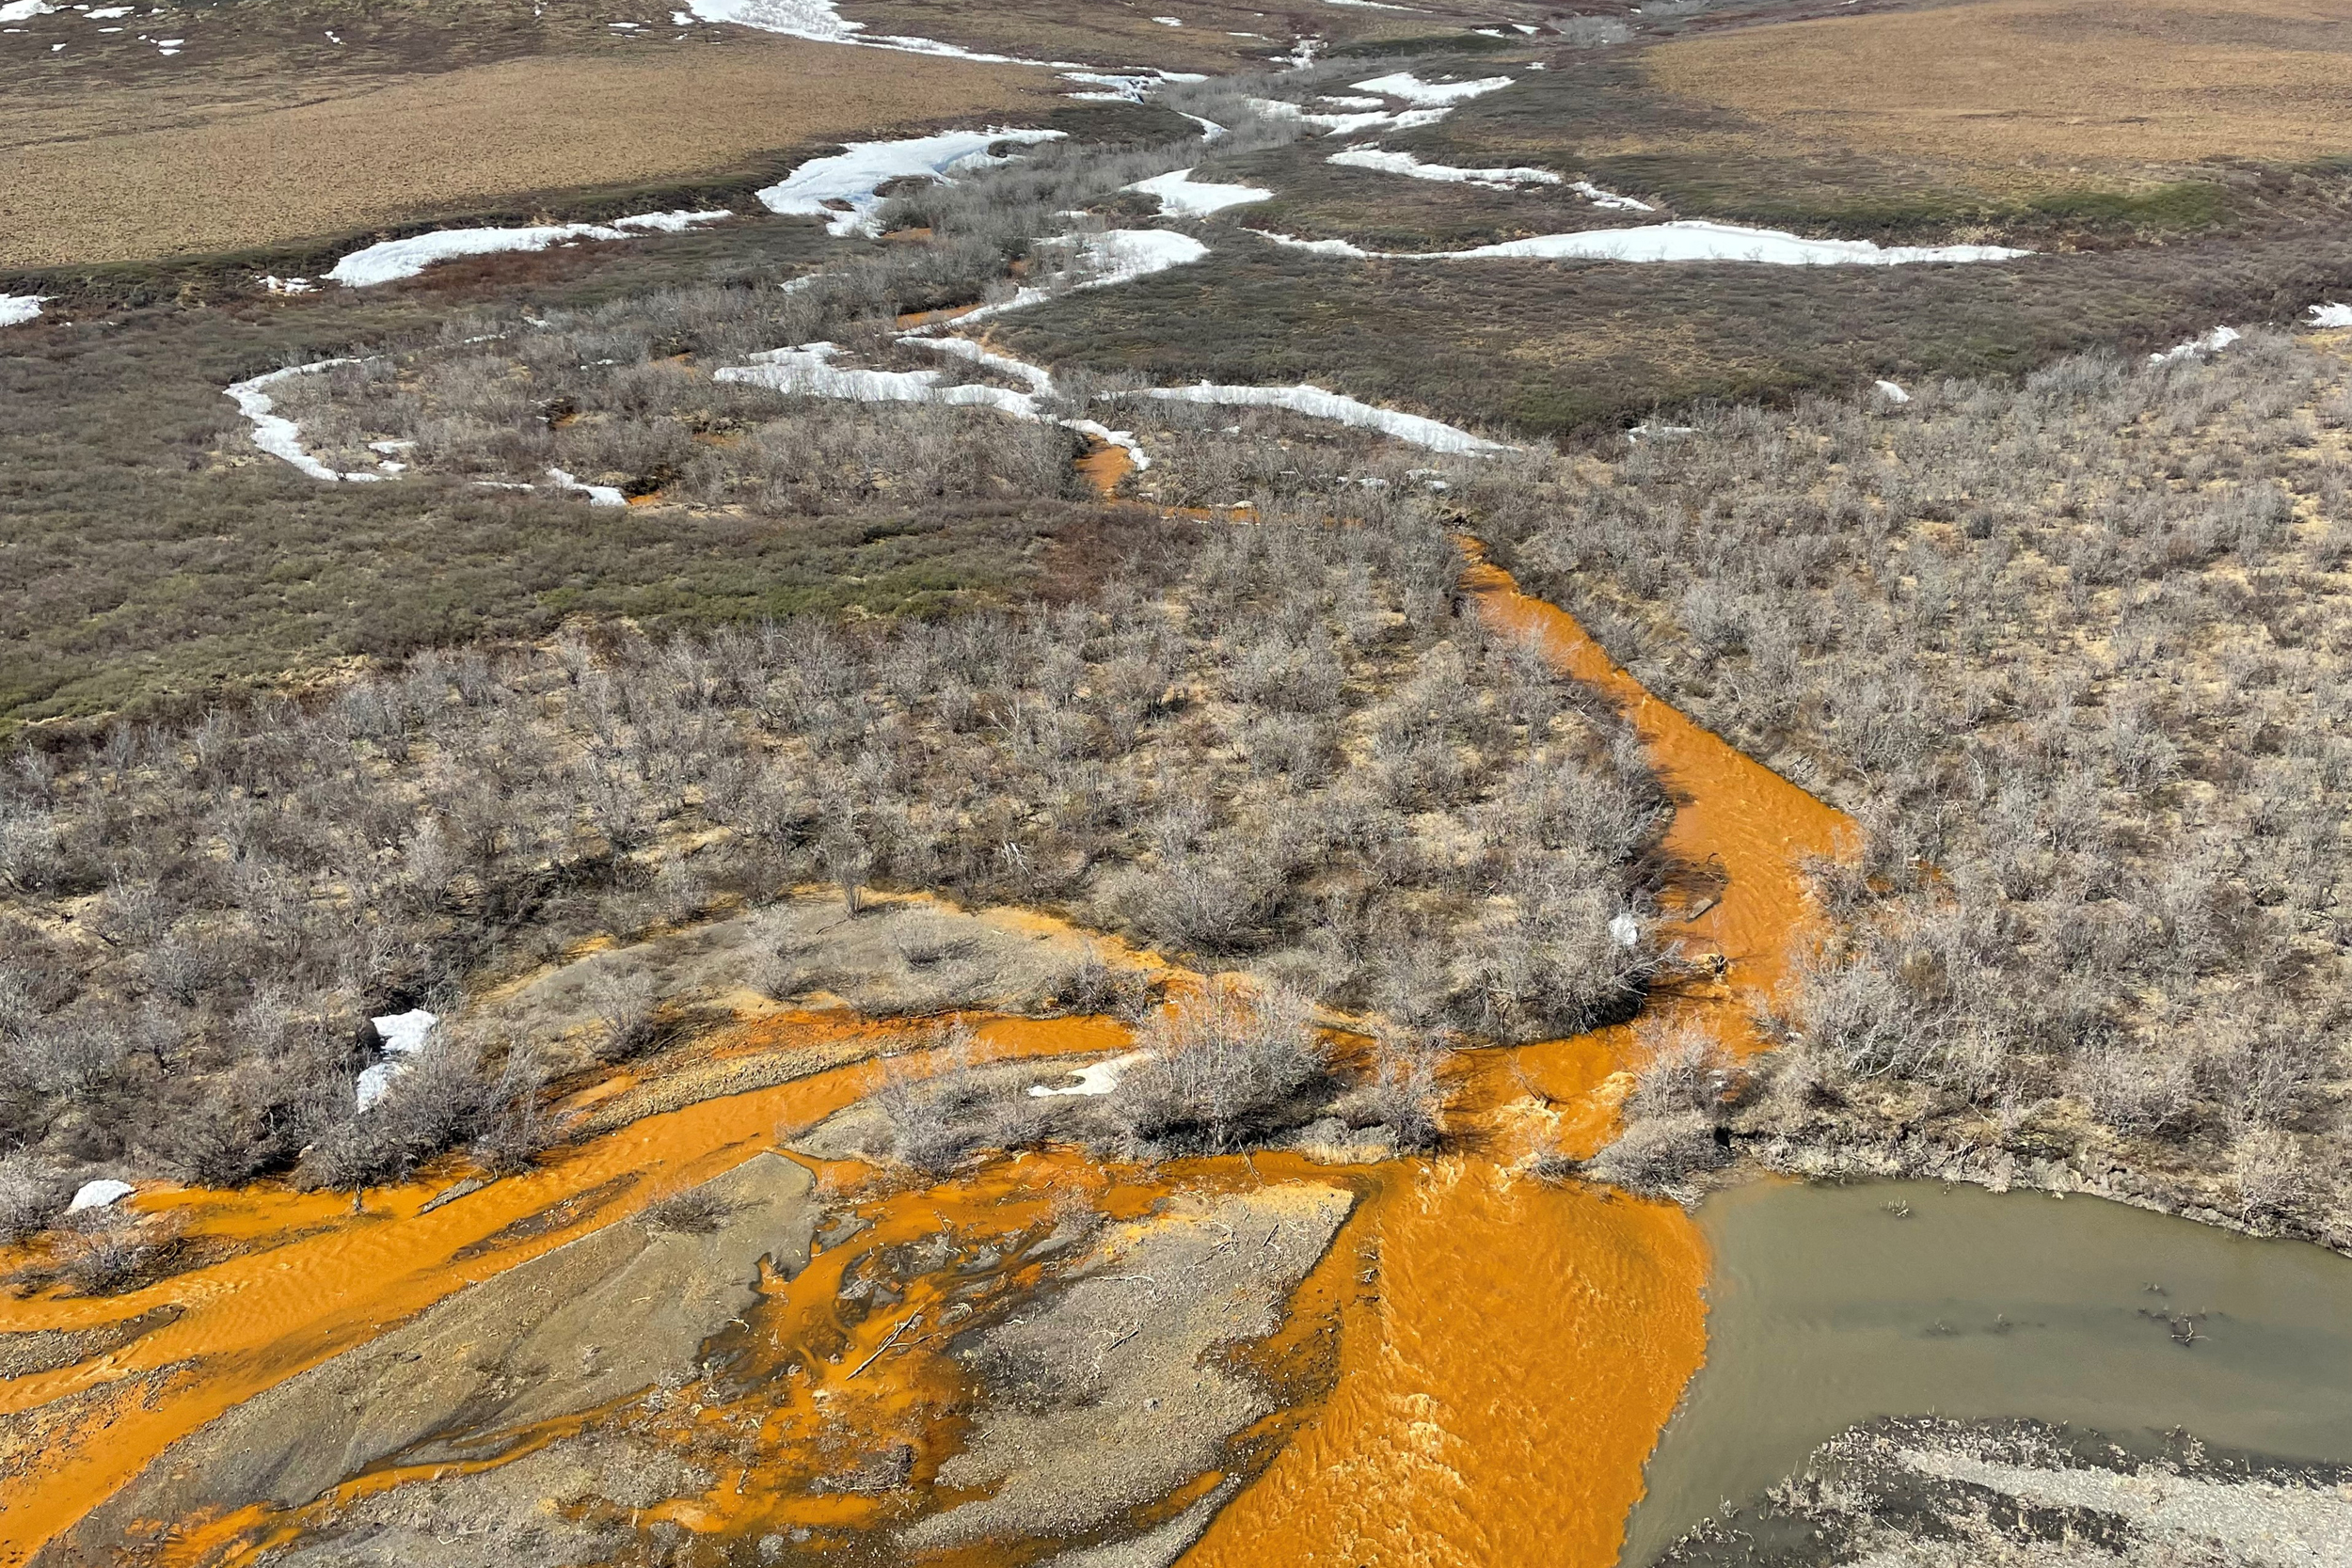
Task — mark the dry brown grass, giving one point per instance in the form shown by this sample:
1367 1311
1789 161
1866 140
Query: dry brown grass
239 172
2113 85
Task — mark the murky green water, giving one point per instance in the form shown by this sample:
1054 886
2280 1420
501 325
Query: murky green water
1828 1307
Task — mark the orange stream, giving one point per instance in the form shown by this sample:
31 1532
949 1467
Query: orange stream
1499 1396
1507 1350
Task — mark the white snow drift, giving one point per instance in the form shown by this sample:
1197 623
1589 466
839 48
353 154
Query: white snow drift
1095 1078
394 260
105 1193
841 186
2212 342
1406 163
1182 196
819 22
1432 95
16 309
2322 315
404 1035
1318 403
1684 240
278 436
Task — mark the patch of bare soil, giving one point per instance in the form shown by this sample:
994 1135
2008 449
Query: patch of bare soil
1109 1396
25 1353
2069 83
243 169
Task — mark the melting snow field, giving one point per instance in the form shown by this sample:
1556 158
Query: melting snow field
277 435
1406 163
16 309
2322 315
1180 196
1689 241
105 1193
841 188
1113 256
394 260
598 494
1318 403
808 371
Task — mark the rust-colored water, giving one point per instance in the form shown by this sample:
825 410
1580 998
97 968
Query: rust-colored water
1105 465
1729 809
1507 1350
1499 1396
335 1278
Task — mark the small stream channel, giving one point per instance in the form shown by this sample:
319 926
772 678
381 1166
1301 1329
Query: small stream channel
1833 1304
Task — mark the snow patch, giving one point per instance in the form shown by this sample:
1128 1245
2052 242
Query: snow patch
819 22
841 188
1095 1078
277 435
1685 240
16 309
390 261
1609 199
2331 315
598 494
1180 196
104 1193
1406 163
1123 255
24 10
1317 403
1210 129
403 1035
2212 342
808 371
1431 95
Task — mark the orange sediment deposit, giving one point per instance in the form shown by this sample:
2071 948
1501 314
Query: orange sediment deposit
325 1278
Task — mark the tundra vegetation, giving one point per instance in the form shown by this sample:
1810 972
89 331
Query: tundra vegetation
1287 745
2071 650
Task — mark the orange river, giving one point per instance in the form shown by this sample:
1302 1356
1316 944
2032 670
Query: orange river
1508 1349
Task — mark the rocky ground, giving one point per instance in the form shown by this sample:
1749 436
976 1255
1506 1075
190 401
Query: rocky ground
1929 1494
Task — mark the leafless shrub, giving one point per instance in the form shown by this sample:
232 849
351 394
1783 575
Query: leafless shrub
1406 1094
1219 1062
695 1211
625 1001
31 1194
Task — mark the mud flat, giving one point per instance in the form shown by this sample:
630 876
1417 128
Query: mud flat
600 1319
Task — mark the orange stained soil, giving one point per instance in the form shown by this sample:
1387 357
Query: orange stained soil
327 1279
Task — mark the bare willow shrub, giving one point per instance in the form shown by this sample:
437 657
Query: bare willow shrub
1219 1062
